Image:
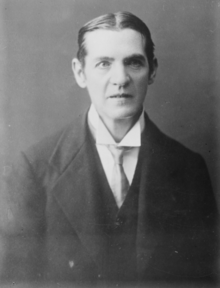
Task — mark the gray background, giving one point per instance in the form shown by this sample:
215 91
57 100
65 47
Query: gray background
39 94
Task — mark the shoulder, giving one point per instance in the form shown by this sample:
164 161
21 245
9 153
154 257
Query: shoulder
169 149
42 163
178 166
62 144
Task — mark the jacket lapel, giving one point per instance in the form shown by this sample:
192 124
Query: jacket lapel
77 190
149 234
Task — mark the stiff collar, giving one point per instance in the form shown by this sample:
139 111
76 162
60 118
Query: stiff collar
103 137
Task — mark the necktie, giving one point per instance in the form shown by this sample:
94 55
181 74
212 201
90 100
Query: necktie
119 183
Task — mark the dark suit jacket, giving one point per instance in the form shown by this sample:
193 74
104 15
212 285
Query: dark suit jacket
52 220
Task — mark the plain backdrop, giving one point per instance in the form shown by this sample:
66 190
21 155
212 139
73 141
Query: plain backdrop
39 95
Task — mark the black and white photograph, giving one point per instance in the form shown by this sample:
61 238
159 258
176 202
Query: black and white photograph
109 143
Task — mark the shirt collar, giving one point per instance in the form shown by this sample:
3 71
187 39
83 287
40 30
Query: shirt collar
103 137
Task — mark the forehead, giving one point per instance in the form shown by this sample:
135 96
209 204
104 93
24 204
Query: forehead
114 43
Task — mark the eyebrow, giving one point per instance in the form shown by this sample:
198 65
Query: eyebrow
136 57
104 58
132 56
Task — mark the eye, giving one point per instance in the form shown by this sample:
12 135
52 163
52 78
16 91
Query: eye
134 63
103 64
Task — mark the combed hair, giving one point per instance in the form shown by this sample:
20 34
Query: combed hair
116 21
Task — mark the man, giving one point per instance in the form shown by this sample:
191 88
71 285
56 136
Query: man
110 199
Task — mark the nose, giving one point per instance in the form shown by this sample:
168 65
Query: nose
119 76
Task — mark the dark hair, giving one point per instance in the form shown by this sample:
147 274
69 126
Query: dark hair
117 21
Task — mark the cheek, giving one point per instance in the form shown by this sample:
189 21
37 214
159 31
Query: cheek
96 91
96 82
140 76
141 84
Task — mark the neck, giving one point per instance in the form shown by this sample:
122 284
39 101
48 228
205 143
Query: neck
120 127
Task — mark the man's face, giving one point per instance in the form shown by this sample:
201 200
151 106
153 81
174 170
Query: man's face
116 73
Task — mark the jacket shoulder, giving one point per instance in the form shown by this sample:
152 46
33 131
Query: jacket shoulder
60 147
43 149
168 148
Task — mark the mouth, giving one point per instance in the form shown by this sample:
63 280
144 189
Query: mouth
118 96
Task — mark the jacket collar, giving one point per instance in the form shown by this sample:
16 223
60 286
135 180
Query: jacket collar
69 144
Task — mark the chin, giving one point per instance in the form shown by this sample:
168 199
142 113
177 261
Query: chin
125 115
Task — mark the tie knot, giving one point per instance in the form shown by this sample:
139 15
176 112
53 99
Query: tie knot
117 153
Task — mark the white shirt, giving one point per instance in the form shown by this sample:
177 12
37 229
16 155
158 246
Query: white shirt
104 138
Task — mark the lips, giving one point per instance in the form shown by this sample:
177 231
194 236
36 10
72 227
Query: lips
123 95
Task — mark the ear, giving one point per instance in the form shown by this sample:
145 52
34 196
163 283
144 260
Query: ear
78 72
153 72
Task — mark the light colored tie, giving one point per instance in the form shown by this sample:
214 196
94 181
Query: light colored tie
119 182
